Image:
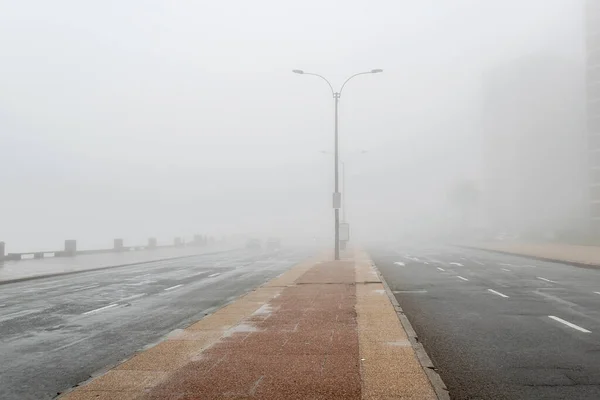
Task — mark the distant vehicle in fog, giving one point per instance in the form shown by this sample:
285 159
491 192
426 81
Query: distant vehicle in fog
253 244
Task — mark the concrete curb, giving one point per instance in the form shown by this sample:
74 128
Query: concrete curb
546 259
30 278
439 387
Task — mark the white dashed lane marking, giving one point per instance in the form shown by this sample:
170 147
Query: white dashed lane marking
460 277
504 269
569 324
441 269
213 275
173 287
544 279
18 314
100 309
498 293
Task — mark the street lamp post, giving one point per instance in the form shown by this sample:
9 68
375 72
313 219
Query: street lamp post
336 193
344 191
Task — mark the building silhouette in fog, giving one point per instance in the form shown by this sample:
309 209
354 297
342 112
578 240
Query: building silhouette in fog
592 39
533 128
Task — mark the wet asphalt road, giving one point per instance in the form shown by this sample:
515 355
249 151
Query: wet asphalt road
57 332
499 326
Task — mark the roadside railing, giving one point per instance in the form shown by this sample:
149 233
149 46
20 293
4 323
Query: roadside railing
70 248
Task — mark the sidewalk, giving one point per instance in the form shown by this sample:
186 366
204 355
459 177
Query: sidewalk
567 253
11 271
322 330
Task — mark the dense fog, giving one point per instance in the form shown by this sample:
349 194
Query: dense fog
155 118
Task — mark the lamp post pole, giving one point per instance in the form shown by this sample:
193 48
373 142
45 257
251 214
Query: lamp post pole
336 194
337 197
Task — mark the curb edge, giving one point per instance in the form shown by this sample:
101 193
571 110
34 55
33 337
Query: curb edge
435 380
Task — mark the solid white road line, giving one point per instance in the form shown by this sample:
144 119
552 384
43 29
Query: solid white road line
504 269
173 287
544 279
100 309
570 325
399 263
460 277
498 293
441 269
457 264
213 275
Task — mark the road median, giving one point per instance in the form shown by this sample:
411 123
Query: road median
322 330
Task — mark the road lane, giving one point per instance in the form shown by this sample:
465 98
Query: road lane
542 341
32 268
56 332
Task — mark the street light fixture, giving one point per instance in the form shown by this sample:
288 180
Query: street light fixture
336 194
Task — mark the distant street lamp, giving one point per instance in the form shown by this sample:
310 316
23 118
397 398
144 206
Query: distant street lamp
336 193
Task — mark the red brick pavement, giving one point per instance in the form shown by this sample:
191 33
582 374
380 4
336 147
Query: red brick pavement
301 345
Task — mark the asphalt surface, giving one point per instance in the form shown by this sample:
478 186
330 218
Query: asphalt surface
32 268
499 326
57 332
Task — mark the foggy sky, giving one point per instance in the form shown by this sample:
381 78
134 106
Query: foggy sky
158 118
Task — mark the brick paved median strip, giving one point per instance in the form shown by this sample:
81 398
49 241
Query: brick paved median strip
323 330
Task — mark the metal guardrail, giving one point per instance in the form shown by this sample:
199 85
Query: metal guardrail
70 248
